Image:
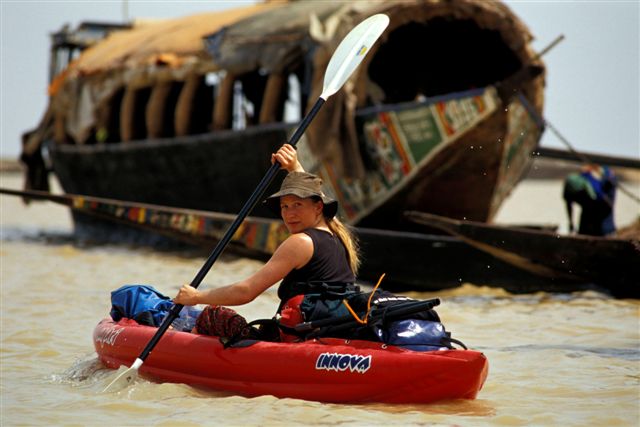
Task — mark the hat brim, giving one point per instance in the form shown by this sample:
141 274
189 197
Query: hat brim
329 210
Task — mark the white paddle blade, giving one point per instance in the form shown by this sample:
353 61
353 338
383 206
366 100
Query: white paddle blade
351 52
123 380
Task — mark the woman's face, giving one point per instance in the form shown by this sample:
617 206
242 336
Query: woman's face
299 214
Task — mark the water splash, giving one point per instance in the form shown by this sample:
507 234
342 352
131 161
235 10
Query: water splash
89 373
84 372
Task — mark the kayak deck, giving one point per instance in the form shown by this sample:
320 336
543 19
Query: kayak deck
325 370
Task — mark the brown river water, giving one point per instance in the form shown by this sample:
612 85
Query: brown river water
555 359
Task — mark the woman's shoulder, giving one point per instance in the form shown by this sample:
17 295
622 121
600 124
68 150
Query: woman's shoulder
297 248
300 236
299 241
306 239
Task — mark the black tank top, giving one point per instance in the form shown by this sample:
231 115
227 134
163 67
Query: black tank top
329 263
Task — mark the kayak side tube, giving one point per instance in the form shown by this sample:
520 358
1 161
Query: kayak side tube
326 370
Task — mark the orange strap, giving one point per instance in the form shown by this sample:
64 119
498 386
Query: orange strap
354 314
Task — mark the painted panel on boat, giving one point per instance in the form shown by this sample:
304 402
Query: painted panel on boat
400 141
520 143
420 130
263 236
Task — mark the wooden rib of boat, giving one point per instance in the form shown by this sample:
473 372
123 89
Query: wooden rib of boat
410 260
611 263
441 116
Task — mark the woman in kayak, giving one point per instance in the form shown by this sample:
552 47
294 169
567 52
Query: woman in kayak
320 254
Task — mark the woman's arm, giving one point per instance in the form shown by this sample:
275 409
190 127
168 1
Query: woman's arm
287 156
293 253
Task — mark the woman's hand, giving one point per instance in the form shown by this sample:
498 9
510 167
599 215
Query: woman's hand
187 295
288 159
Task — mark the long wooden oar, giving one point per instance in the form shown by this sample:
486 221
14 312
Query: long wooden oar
344 61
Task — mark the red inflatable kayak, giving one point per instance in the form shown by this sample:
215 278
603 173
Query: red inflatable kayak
326 370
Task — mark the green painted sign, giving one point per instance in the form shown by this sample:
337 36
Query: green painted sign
420 130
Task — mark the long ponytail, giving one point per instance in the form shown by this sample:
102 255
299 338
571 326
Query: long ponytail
348 240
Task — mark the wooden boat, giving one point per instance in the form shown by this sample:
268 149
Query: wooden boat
410 260
611 263
186 112
326 370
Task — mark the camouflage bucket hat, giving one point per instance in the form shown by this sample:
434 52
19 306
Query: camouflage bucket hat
303 185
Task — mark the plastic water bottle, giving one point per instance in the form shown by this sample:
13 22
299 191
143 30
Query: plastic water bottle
187 319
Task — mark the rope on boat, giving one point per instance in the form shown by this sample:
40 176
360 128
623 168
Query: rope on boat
366 316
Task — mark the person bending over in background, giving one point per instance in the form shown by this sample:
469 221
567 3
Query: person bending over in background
594 189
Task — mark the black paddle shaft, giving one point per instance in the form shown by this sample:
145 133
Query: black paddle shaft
222 244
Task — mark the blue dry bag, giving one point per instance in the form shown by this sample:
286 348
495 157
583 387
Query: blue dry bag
415 334
141 303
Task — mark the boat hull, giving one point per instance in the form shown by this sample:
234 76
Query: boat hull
457 150
331 370
409 260
215 171
610 263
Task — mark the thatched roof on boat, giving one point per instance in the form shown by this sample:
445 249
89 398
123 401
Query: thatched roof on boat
265 34
265 40
275 38
431 47
166 41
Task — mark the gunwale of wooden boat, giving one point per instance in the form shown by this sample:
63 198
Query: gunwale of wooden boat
411 260
609 262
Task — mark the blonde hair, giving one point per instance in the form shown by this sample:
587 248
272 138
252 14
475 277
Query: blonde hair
348 240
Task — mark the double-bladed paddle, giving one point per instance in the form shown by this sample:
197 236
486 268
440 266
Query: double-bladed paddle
344 61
